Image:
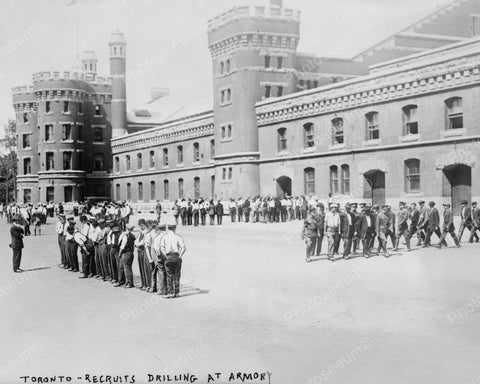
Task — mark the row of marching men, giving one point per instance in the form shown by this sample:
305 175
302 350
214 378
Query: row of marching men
108 252
356 229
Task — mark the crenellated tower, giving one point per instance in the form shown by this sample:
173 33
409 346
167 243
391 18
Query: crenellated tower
253 53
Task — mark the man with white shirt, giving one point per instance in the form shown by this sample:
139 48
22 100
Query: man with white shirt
86 229
159 259
332 223
140 246
151 255
60 228
173 247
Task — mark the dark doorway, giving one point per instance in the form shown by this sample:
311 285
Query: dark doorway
374 186
284 186
457 184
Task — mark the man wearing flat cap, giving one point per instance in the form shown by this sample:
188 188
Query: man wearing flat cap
466 221
448 227
402 226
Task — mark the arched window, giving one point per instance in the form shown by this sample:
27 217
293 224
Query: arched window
180 154
129 191
117 191
309 181
196 187
140 191
345 179
212 149
410 120
152 190
152 159
166 190
127 163
98 164
282 139
454 113
373 129
412 175
334 179
117 164
308 136
180 189
196 152
337 131
165 157
139 161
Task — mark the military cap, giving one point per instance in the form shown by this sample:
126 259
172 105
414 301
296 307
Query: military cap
333 205
141 222
421 202
446 205
464 202
363 205
376 206
162 225
367 207
474 203
431 203
354 205
402 203
348 205
71 218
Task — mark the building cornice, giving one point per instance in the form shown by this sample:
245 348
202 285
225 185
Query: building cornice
419 78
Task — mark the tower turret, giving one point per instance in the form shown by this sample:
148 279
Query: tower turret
89 63
118 54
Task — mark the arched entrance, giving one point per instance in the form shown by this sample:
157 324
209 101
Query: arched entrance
374 186
284 186
457 184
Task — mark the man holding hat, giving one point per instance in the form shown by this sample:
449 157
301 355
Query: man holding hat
16 233
173 247
466 221
448 227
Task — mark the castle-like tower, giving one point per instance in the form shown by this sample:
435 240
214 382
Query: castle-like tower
118 54
253 52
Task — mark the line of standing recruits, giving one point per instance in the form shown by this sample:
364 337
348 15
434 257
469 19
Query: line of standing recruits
360 228
108 252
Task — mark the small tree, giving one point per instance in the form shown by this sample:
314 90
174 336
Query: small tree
8 163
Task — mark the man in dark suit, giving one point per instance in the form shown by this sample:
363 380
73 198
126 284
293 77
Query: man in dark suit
219 212
475 220
366 230
383 226
433 224
347 230
16 231
423 222
402 226
466 216
414 214
448 227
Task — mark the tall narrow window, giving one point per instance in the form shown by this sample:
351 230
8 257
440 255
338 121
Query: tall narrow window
268 91
279 62
98 110
152 190
222 67
229 131
80 159
334 179
81 133
80 108
412 175
140 191
117 192
166 190
67 160
180 188
65 106
47 107
117 164
282 139
27 196
410 120
279 91
373 130
68 191
308 136
27 166
66 132
26 140
139 161
48 132
337 131
152 159
212 149
165 157
229 95
196 187
25 117
309 177
180 154
223 133
227 66
345 179
267 61
224 173
128 164
230 173
98 134
129 191
98 162
196 152
49 161
50 194
454 113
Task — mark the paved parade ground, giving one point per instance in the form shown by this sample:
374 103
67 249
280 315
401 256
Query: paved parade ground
249 304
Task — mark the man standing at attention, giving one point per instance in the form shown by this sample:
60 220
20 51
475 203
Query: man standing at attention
332 222
16 231
127 245
173 247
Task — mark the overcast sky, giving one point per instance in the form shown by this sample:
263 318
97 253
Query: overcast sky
150 26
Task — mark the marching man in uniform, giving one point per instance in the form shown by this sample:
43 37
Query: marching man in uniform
448 227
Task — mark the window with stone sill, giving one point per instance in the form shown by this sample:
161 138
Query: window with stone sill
373 129
410 120
454 113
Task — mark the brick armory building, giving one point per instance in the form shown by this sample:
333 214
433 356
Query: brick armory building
396 121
